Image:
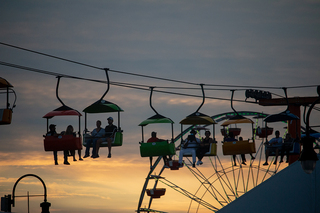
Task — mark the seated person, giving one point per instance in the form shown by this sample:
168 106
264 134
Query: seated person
243 157
52 132
286 147
231 138
96 134
275 144
155 139
190 145
69 131
204 147
110 131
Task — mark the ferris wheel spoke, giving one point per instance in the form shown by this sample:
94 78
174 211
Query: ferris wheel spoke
188 194
204 182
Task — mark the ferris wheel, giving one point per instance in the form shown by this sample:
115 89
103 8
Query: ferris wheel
228 177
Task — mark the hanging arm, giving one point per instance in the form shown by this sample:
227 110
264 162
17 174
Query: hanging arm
232 93
285 93
57 90
203 97
108 83
150 100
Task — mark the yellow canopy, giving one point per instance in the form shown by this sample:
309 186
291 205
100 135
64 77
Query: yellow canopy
193 120
237 121
4 83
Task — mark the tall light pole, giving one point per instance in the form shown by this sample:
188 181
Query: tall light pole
7 201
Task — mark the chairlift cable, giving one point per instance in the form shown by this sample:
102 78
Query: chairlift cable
133 86
146 76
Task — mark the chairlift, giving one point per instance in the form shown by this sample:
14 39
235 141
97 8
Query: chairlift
62 142
160 148
238 147
6 113
198 118
103 106
284 116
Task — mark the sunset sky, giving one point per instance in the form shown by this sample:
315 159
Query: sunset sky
247 43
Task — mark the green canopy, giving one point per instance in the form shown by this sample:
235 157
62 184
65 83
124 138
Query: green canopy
102 106
156 119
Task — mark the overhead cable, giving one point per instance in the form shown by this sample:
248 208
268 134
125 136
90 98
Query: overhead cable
147 76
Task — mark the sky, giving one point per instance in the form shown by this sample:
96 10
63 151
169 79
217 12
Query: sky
247 43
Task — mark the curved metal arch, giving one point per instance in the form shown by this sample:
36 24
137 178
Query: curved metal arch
27 175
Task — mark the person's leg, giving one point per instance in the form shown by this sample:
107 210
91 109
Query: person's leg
150 159
73 153
277 154
94 147
234 160
65 155
282 150
181 155
287 154
267 155
109 146
87 148
99 141
79 153
55 157
243 157
193 152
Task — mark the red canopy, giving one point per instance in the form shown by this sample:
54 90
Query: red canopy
62 113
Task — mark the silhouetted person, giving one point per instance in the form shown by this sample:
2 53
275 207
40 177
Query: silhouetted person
190 145
286 147
231 138
96 134
204 147
155 139
70 131
52 132
274 145
110 131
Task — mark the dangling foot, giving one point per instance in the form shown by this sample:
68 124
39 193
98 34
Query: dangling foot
266 164
109 155
244 163
66 163
194 165
275 163
80 159
56 163
86 156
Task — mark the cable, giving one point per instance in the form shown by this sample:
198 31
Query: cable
146 76
133 86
